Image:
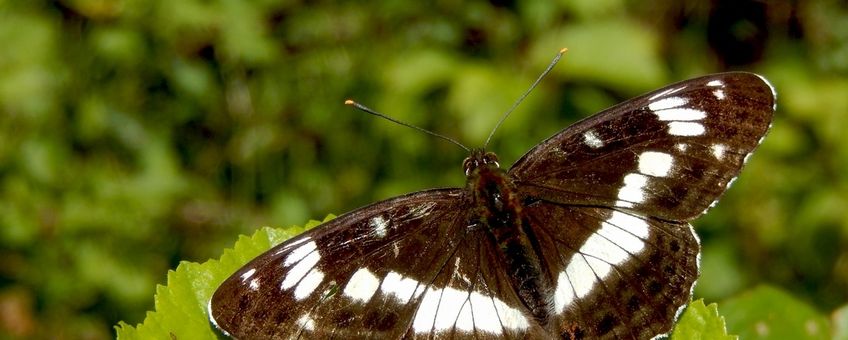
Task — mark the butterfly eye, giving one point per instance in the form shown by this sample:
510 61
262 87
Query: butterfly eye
491 158
468 164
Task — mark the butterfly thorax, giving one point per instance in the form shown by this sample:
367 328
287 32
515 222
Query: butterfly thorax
498 210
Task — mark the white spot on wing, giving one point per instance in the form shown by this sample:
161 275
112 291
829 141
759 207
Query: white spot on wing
591 139
680 114
626 231
632 191
300 269
465 319
620 235
655 163
718 150
581 275
308 284
379 225
682 147
427 309
599 267
450 304
419 290
396 285
630 225
254 284
685 129
633 225
600 254
445 309
362 285
667 103
248 274
485 314
719 94
299 253
511 318
715 83
564 293
306 322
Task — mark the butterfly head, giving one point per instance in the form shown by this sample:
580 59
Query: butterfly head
479 158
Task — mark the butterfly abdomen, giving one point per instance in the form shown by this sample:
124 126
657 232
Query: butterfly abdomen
498 211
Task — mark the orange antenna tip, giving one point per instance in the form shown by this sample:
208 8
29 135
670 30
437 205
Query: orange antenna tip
349 102
563 50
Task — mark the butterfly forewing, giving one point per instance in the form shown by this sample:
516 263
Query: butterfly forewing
669 154
586 236
323 281
405 267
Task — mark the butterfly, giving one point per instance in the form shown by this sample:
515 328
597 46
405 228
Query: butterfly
585 236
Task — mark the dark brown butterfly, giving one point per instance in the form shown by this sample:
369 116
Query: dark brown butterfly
586 236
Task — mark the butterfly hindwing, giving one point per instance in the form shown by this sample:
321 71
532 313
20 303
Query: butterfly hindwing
670 153
597 255
471 297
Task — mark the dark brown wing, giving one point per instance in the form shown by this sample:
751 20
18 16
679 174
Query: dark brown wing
609 200
615 275
668 154
410 267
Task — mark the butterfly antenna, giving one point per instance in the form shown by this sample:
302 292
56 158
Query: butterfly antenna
368 110
526 93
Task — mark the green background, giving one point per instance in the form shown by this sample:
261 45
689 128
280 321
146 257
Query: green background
136 134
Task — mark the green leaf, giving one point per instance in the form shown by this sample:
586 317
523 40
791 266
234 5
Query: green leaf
769 313
701 322
181 304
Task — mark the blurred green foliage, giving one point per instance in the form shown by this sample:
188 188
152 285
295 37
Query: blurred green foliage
135 134
767 313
